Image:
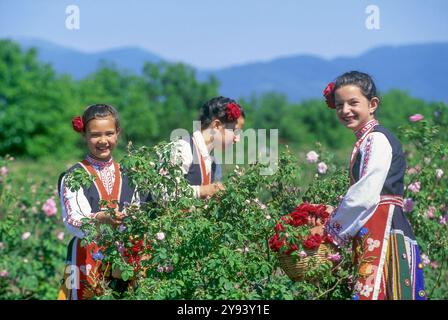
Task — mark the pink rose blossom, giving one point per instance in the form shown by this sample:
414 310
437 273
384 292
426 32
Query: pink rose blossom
322 168
3 171
60 236
425 259
439 173
442 220
416 117
335 257
430 212
414 187
412 171
160 236
26 235
302 254
169 269
49 208
434 265
312 157
408 205
3 273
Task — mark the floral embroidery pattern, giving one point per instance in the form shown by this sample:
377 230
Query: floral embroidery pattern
358 286
106 172
372 244
369 125
366 290
366 155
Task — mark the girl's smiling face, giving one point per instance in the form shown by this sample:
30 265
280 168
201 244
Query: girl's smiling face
353 109
101 135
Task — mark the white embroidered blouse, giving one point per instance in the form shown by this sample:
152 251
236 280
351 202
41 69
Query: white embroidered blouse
75 205
363 196
185 156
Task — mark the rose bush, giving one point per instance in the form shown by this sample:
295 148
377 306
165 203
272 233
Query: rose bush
427 198
32 240
178 247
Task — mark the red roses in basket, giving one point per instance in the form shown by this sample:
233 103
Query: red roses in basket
293 232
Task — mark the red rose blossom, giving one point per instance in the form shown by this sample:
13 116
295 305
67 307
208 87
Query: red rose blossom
233 111
299 218
312 242
279 227
328 238
77 124
328 94
274 243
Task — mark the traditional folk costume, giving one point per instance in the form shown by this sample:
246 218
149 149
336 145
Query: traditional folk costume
198 166
83 266
371 215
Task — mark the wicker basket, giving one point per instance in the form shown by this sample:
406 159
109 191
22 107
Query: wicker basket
296 267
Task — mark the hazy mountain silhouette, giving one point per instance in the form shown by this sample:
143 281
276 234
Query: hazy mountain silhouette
420 69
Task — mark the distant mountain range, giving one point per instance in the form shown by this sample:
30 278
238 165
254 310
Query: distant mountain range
420 69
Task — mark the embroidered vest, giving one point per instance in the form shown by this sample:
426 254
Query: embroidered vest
122 190
195 175
394 183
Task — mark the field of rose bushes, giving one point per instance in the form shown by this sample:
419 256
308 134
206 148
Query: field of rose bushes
217 249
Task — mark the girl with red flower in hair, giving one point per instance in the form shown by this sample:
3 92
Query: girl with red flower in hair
221 120
100 128
370 216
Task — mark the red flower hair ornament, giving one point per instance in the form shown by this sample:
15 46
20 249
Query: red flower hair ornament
329 96
77 124
233 111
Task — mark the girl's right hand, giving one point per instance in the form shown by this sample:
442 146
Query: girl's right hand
211 189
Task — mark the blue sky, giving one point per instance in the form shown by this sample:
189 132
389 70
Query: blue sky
213 34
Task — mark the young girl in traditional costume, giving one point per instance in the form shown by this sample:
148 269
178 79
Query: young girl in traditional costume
221 119
370 216
100 128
